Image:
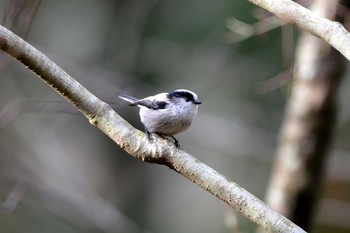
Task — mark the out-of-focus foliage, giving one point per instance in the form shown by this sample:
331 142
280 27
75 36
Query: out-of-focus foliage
76 179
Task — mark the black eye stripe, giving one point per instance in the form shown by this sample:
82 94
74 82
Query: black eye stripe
181 94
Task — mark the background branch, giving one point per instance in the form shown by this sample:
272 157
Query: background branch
330 31
308 128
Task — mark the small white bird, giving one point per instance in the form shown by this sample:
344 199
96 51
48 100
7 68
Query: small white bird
166 113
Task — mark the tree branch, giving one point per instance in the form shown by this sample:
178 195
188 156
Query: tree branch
331 32
136 143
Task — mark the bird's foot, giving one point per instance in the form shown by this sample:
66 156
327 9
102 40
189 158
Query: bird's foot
176 142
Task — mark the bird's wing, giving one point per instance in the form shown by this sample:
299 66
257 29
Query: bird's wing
148 102
152 104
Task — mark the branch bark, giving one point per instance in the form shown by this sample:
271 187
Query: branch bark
134 142
329 31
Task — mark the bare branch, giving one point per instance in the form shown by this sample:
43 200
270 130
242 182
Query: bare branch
135 142
240 31
330 31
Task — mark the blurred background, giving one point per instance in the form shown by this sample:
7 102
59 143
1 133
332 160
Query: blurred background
58 173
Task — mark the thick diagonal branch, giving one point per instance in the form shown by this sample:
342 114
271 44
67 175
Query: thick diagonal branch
136 144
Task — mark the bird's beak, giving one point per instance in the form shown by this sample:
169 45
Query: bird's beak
198 102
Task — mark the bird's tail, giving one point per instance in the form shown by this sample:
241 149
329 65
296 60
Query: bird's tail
128 98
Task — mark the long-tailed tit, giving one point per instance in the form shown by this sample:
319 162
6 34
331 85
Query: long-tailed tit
166 113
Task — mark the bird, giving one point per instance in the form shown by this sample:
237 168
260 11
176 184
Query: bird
166 114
